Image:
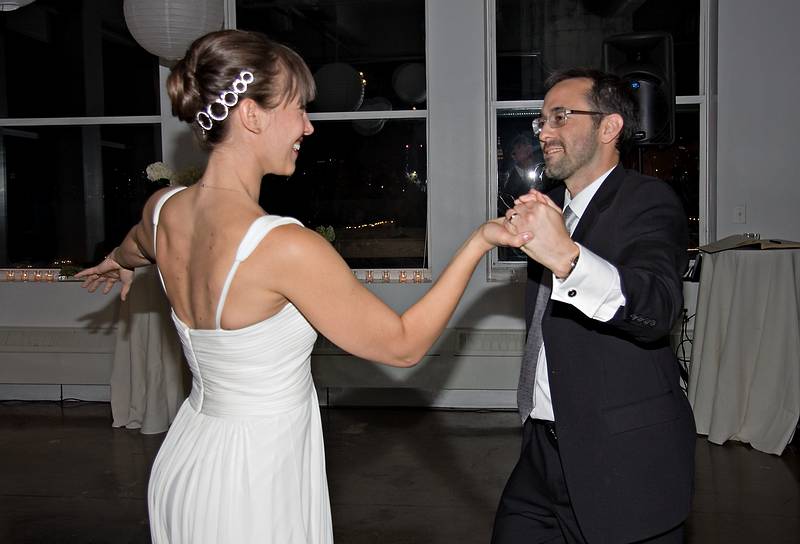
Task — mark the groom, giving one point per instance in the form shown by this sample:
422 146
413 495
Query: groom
608 439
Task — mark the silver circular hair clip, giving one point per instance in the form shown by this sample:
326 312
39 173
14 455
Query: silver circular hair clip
201 115
227 99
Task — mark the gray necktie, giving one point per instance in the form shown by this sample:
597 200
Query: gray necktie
527 371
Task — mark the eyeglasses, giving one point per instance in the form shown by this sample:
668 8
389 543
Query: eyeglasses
558 118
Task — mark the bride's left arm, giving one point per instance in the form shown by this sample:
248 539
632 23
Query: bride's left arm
135 250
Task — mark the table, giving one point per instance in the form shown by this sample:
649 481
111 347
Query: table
148 375
744 380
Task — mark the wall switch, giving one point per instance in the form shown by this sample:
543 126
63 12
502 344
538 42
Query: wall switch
740 214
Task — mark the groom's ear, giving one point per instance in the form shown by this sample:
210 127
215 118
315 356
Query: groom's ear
611 127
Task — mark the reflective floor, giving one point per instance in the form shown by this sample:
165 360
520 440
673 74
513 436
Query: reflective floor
396 476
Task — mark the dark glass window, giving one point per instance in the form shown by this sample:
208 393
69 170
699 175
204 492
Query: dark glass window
519 164
73 192
364 54
677 164
364 185
73 59
536 37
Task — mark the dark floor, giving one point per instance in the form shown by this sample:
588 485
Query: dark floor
396 476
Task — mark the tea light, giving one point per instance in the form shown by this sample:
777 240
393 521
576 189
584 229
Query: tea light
37 276
386 277
418 276
403 277
368 278
49 276
10 275
24 275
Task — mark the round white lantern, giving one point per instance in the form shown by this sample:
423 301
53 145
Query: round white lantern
11 5
167 28
340 87
369 127
408 81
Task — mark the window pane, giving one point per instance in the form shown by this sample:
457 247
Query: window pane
537 37
79 60
366 183
345 42
73 192
519 164
677 164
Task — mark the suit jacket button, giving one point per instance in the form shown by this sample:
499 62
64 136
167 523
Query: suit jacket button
571 293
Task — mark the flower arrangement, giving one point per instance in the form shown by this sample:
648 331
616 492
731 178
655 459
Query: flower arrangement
158 171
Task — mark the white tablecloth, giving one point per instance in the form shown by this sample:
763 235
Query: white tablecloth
744 382
148 373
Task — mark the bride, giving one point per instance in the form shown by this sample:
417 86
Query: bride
244 460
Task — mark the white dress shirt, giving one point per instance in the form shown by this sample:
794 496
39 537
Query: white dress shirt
598 295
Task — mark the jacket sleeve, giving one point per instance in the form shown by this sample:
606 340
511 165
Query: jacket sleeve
651 261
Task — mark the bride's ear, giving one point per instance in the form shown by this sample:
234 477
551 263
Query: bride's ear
252 116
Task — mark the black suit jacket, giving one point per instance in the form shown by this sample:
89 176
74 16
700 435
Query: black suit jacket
625 428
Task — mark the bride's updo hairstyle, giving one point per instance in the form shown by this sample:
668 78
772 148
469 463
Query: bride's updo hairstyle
218 63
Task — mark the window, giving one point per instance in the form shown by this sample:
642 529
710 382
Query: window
79 122
81 201
361 178
528 39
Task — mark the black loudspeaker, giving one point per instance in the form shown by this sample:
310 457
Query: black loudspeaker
644 59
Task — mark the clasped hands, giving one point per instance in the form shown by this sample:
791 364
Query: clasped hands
550 243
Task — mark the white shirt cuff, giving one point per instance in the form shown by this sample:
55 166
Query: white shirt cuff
593 287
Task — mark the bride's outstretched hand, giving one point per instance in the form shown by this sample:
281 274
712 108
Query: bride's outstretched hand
107 273
495 233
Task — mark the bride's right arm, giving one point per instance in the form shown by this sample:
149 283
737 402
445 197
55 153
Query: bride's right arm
312 275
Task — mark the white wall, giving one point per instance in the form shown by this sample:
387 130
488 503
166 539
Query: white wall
759 118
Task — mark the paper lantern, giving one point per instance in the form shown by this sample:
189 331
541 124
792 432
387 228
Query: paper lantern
166 28
340 87
368 127
11 5
408 81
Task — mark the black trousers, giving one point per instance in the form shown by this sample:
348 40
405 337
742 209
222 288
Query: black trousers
535 506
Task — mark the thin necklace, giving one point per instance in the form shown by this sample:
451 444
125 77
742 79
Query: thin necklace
207 186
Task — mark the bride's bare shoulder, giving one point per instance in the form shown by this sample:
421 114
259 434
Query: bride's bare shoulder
295 243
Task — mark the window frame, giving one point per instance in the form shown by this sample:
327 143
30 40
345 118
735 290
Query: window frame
396 275
15 122
503 271
229 8
89 220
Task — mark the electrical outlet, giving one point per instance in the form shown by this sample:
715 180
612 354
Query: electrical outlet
740 214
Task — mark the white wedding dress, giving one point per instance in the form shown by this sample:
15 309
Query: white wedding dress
244 459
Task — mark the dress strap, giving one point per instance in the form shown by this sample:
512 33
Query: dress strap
156 215
257 231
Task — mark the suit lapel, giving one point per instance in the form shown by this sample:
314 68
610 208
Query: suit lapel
600 202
